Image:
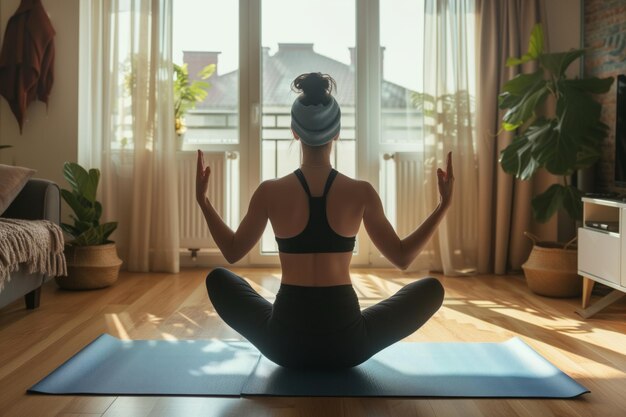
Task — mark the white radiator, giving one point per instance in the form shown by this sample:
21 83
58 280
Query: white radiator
194 233
414 195
411 191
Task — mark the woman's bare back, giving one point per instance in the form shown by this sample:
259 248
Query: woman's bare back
289 213
285 204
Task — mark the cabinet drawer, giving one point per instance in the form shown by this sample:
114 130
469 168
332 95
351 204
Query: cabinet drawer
599 254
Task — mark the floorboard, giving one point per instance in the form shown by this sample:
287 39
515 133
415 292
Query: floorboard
175 306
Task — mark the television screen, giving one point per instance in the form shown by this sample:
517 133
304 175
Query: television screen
620 133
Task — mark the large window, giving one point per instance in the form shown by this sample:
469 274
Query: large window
401 25
206 32
372 48
292 45
401 40
299 36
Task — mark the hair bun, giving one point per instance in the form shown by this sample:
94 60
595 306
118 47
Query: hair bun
315 87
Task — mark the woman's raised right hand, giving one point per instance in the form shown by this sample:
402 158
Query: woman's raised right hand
445 182
202 178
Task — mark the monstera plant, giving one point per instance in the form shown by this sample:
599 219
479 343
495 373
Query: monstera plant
562 134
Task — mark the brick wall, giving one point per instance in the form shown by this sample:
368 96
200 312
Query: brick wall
605 36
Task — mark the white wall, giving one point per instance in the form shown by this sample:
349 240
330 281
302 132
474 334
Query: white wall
49 136
564 26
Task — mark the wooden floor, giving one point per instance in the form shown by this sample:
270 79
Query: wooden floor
163 306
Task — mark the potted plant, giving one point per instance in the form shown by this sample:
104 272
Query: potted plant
92 260
187 93
560 135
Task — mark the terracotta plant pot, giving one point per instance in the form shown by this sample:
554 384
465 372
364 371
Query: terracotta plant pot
90 267
551 269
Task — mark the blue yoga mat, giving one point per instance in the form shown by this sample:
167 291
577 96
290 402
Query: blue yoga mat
509 369
110 366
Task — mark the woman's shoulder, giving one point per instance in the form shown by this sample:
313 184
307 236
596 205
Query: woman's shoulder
273 185
343 182
352 182
354 189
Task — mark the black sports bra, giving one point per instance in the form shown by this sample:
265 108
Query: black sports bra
317 236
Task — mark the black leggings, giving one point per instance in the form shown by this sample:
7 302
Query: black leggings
321 327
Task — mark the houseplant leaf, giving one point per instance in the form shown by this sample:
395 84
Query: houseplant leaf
535 48
75 175
83 183
69 229
524 107
519 85
86 229
98 209
592 85
572 202
89 237
82 211
557 63
107 229
587 156
554 149
547 203
517 159
207 71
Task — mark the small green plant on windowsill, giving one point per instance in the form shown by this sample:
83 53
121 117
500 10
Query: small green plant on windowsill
187 93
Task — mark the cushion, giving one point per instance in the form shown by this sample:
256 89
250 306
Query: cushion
12 180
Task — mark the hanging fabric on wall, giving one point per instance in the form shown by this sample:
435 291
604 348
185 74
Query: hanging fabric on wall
27 58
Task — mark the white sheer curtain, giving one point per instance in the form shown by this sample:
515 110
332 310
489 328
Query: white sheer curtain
449 91
131 127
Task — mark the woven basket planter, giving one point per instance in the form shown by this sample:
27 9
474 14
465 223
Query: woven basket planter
90 267
551 269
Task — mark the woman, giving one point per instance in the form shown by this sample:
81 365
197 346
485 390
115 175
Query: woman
315 213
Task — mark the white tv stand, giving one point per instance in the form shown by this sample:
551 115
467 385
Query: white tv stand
602 254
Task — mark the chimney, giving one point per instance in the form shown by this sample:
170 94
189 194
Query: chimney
295 47
352 50
196 60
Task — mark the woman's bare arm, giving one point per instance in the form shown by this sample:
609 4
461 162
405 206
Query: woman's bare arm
401 252
233 245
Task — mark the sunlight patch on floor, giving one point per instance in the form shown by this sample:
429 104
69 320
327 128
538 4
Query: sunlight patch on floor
451 315
153 319
115 325
372 286
169 337
187 318
574 328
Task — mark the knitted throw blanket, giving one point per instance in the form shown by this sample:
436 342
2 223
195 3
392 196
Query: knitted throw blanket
35 244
